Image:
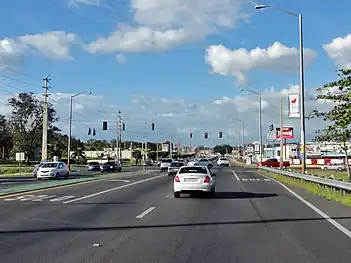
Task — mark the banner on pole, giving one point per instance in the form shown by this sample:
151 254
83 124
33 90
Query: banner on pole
294 105
288 133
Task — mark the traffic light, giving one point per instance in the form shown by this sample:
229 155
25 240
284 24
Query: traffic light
94 132
123 126
206 135
220 134
104 125
89 131
271 127
191 135
153 126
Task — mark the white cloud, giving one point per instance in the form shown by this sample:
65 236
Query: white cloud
54 45
239 62
86 2
121 59
339 50
161 25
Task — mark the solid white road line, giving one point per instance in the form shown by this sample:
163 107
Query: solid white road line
314 208
113 189
236 176
147 211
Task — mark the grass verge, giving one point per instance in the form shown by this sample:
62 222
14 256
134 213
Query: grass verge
324 173
327 193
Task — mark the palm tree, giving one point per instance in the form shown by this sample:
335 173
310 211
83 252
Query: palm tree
78 155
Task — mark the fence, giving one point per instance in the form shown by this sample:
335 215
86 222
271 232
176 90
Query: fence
341 185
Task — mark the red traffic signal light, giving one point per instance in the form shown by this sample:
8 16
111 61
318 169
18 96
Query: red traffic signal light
220 134
206 135
191 135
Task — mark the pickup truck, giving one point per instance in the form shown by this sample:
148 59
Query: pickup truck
273 163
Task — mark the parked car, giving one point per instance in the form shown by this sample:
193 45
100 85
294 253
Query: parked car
111 167
36 168
52 170
273 162
148 163
334 166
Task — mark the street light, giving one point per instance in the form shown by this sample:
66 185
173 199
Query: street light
302 82
243 132
259 117
70 127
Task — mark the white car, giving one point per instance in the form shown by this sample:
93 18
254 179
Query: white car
204 162
194 179
53 170
165 163
191 163
222 161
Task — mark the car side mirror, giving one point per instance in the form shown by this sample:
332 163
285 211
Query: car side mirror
214 175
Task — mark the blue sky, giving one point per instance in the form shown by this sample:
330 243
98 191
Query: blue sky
172 76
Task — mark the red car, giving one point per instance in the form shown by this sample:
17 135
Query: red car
273 163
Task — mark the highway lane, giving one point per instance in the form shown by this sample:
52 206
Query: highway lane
247 221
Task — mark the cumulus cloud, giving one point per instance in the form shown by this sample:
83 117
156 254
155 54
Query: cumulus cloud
54 45
240 61
161 25
339 50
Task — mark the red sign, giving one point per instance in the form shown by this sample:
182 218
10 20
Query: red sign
288 133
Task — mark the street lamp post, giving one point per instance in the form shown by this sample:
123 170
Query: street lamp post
259 118
243 134
302 83
70 127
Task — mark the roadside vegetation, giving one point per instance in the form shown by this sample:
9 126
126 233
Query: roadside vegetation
328 193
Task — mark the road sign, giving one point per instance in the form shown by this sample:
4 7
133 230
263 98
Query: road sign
20 157
288 133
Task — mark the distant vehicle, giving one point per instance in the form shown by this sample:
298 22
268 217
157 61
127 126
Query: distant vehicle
222 161
111 167
52 170
191 179
165 163
191 163
334 166
94 166
174 167
148 163
273 162
204 162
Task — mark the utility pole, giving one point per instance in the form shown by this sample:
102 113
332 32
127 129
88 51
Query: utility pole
281 134
120 135
44 148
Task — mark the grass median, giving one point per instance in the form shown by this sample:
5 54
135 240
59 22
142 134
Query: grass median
327 193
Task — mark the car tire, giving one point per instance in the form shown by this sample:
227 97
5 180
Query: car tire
119 170
66 176
57 175
176 194
39 178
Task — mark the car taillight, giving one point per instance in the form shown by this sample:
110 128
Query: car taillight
176 179
207 179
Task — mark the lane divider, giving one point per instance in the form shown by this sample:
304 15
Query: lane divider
147 211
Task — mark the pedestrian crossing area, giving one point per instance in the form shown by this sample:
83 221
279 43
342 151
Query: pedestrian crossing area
255 180
247 178
39 198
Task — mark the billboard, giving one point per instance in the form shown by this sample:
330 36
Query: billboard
294 106
288 133
165 147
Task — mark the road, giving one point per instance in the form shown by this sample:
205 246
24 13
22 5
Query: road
136 219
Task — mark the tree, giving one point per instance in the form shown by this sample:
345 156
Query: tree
223 149
5 137
136 155
339 116
26 122
78 155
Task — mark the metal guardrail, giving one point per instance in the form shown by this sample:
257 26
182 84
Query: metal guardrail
322 181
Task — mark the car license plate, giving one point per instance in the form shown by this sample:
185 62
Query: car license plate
190 180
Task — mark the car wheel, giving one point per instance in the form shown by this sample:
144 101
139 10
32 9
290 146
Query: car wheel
39 179
57 175
325 168
66 176
176 194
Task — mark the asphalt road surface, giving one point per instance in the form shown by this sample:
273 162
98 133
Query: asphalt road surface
136 219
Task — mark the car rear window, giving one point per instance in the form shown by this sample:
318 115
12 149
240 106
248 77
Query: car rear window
94 163
203 160
177 164
50 165
166 160
196 170
223 159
